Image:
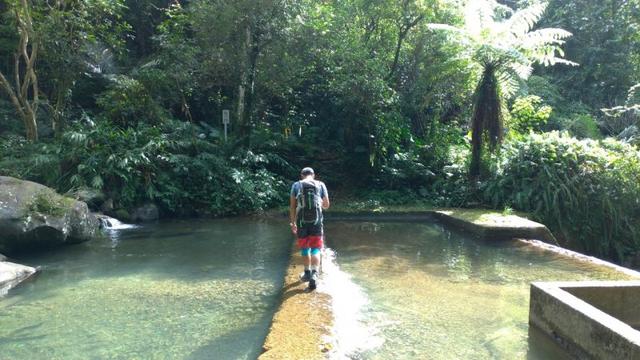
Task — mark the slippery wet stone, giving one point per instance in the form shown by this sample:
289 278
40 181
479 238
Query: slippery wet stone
12 274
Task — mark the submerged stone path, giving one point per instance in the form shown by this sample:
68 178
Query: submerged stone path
302 325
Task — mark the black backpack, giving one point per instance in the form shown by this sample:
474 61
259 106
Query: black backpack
309 203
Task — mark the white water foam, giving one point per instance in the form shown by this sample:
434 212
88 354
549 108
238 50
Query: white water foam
115 224
351 335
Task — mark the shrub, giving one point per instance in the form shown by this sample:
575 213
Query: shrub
583 126
528 114
451 187
587 191
126 102
171 165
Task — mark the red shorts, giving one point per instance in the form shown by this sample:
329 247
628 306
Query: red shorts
310 242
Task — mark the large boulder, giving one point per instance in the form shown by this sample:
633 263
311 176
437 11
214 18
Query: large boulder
34 217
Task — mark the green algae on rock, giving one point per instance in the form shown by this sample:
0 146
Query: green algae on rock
34 217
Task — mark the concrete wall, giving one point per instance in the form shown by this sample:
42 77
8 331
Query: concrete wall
622 302
585 331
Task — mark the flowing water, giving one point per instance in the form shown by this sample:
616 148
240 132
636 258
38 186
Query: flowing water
177 290
417 291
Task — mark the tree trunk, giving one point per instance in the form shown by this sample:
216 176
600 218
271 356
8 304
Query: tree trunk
244 81
251 82
487 117
24 92
31 125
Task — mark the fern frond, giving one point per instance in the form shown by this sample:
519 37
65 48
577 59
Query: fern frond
550 54
479 17
633 95
522 21
543 37
522 70
509 82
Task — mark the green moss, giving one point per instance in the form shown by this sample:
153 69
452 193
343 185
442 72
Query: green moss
488 217
48 202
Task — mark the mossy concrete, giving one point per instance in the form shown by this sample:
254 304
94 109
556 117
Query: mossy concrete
481 223
492 225
590 319
302 324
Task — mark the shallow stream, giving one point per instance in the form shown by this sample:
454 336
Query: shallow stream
177 290
208 289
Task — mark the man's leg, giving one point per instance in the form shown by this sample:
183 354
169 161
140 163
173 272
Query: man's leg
305 252
314 258
315 244
306 260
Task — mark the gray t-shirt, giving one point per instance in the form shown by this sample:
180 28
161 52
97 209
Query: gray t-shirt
297 187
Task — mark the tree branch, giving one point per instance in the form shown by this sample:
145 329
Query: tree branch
402 34
12 95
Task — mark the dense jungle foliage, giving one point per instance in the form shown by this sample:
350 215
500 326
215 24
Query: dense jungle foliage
511 104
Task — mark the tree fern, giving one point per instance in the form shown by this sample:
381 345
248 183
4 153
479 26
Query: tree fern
502 43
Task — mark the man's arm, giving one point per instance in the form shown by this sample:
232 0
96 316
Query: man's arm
325 200
292 214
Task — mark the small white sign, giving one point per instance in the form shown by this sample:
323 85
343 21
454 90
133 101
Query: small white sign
225 117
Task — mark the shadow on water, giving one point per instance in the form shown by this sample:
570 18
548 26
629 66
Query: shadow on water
236 344
543 347
21 335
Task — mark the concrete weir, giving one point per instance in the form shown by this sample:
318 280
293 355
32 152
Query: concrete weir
590 319
302 324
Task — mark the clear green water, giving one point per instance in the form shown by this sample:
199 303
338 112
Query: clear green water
208 290
178 290
426 293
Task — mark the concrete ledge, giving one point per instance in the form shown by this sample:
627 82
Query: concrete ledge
12 274
302 324
633 274
489 225
483 224
380 216
590 319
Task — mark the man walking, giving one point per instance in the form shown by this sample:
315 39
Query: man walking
308 198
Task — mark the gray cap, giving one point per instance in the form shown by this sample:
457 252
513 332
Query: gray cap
307 171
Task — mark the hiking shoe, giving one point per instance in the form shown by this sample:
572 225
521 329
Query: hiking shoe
306 276
312 281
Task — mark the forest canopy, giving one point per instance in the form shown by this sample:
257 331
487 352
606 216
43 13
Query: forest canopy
436 102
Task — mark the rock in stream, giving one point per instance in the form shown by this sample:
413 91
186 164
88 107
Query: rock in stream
35 217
